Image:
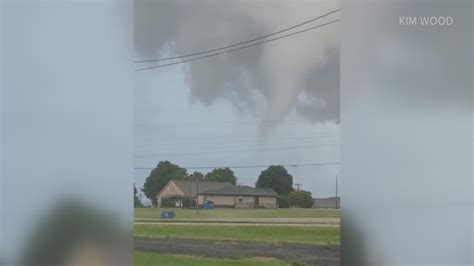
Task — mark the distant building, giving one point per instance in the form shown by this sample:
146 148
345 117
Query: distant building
327 203
241 197
223 194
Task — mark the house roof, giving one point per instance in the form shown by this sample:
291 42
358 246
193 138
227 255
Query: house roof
189 188
241 191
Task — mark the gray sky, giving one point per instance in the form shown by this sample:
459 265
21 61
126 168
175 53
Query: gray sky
224 103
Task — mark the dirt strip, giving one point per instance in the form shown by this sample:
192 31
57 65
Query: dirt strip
302 253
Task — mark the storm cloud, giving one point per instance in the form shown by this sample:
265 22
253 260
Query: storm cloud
299 73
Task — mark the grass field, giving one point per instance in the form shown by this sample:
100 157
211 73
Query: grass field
155 213
321 235
148 259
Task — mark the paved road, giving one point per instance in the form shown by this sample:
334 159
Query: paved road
238 224
303 253
277 220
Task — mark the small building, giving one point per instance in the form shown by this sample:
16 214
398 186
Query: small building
179 193
327 203
240 197
176 192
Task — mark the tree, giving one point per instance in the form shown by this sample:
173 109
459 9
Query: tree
282 201
195 176
302 199
222 174
160 176
136 201
276 177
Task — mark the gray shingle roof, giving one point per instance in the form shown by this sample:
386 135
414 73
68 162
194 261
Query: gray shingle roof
189 188
240 191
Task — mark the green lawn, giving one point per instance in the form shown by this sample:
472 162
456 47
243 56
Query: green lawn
151 259
321 235
155 213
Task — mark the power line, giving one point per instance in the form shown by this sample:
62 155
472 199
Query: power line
234 141
247 166
225 124
227 151
240 43
239 48
230 122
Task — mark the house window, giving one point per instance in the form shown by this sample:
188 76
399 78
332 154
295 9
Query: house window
240 199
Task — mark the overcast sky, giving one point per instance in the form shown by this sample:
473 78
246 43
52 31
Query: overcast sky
221 111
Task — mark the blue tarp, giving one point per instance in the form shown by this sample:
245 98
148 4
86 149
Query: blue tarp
208 205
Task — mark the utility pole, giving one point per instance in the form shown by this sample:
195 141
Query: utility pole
297 187
336 193
190 198
197 195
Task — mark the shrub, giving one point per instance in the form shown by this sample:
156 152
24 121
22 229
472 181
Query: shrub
301 199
